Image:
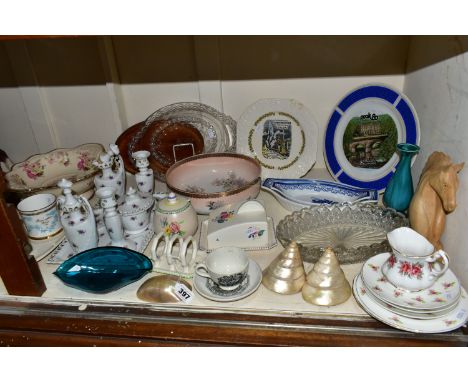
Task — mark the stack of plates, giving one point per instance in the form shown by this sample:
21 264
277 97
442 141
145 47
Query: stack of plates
441 308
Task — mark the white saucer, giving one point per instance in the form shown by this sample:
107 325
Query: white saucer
253 281
455 319
420 315
443 294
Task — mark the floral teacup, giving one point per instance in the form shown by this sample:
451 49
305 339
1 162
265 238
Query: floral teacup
413 265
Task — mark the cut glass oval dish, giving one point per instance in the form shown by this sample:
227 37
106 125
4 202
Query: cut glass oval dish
103 269
354 231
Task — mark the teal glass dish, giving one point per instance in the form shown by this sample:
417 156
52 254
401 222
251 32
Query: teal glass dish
103 269
400 191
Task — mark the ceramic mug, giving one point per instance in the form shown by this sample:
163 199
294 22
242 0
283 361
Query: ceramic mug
413 265
226 266
40 216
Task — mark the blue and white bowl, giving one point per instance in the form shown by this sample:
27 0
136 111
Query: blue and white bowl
295 194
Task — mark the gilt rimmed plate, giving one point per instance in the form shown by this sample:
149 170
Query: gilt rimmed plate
362 134
281 134
455 319
443 294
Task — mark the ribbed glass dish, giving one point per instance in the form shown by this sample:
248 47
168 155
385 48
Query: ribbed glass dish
356 232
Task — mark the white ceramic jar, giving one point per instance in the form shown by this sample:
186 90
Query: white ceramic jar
174 215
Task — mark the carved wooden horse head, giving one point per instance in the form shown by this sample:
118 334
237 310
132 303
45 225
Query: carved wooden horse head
442 176
435 196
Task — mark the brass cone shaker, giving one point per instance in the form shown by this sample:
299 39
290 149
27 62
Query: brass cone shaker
326 283
285 274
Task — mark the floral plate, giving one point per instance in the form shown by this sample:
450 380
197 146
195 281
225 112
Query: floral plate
41 172
455 319
444 293
421 315
281 134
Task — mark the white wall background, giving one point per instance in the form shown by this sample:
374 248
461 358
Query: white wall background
440 96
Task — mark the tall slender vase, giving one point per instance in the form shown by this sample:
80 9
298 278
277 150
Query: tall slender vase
400 191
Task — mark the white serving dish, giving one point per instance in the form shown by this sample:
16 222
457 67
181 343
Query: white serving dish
243 225
295 194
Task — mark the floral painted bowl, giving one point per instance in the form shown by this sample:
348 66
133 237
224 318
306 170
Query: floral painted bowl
41 172
214 180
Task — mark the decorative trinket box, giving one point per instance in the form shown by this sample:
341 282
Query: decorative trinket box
245 225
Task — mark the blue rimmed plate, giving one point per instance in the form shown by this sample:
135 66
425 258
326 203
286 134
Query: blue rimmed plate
362 134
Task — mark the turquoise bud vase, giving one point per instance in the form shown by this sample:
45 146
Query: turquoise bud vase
400 191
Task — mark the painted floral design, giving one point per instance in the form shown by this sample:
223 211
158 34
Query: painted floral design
254 232
397 293
231 182
363 290
84 161
33 169
213 205
419 299
411 270
58 157
382 279
375 268
433 292
395 319
448 285
450 322
224 217
391 261
172 228
440 300
377 288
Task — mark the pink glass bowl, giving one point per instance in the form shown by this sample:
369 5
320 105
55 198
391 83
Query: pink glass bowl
214 180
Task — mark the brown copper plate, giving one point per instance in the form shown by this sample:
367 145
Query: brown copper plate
167 141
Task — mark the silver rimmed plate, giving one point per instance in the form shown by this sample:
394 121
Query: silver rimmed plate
455 319
362 134
281 134
206 288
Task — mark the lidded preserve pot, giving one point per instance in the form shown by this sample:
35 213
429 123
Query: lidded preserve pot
174 215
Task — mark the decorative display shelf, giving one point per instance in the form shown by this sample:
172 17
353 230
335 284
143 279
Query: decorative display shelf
264 318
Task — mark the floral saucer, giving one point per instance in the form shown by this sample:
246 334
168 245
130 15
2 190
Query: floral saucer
444 293
455 319
210 291
420 315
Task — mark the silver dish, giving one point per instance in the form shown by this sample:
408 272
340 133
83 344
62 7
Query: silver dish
356 232
218 130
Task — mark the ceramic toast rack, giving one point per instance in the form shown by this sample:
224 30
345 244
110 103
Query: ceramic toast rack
176 257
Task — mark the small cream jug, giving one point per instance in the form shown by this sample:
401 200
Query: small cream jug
175 216
413 265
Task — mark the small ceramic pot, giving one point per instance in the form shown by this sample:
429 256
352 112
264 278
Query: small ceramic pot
40 216
413 265
136 212
174 215
226 266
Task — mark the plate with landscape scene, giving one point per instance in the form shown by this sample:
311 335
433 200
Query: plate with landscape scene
363 132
